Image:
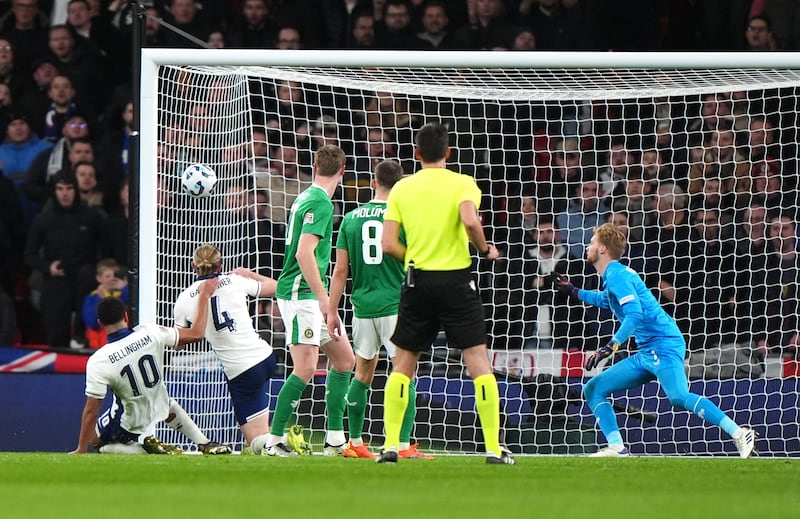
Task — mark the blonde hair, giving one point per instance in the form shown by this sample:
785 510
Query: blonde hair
614 240
207 259
329 159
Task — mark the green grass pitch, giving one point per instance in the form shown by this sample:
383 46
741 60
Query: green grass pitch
38 485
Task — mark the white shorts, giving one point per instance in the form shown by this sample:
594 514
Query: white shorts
370 334
304 322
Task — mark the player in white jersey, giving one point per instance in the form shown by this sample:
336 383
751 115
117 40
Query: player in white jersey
131 365
246 358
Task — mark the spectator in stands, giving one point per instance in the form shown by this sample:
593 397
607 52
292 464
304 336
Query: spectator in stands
435 25
104 39
17 79
25 25
251 29
285 181
48 119
559 184
711 272
620 159
6 109
783 288
110 283
396 32
63 245
668 240
525 39
289 38
114 151
392 113
552 320
756 154
584 212
290 119
89 190
61 157
363 31
36 99
187 16
759 34
633 196
718 160
653 165
340 19
154 35
557 27
488 27
216 39
18 151
87 70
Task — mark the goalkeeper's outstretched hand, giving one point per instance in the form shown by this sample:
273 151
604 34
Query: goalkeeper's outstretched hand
601 353
562 284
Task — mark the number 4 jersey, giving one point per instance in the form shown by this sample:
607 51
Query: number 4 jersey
230 327
131 364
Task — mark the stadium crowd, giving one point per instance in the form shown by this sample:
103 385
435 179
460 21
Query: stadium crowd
705 186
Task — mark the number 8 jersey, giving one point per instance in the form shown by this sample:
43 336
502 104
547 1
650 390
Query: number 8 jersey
132 365
230 326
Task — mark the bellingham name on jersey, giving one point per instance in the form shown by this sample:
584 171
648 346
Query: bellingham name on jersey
130 348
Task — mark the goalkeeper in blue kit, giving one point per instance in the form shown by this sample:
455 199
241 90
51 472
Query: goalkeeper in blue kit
661 347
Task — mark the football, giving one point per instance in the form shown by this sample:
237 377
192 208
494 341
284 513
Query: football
198 180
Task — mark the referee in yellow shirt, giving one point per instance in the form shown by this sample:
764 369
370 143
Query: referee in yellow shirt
438 209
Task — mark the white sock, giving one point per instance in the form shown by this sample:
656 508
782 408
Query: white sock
404 446
182 422
259 443
335 438
356 442
274 440
122 448
619 447
737 433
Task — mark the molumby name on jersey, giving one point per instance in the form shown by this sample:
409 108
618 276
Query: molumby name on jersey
130 348
369 212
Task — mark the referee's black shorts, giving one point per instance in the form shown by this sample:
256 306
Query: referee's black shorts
446 299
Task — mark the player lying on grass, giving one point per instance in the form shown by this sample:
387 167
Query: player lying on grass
377 280
660 342
131 365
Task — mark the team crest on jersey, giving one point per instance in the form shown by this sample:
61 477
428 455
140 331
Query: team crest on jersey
308 218
308 333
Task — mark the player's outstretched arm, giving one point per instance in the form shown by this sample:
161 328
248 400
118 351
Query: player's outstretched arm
268 285
88 436
198 329
338 281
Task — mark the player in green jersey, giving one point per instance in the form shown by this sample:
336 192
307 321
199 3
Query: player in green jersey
303 301
377 279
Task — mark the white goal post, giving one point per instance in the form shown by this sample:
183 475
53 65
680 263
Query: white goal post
696 152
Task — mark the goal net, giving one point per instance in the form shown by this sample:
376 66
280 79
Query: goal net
693 155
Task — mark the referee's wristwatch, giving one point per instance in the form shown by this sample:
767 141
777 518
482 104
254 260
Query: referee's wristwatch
486 252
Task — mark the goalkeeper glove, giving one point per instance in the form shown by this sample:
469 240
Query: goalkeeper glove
562 284
601 353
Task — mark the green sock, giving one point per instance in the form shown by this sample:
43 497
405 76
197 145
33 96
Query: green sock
395 401
335 390
357 398
487 403
288 397
411 413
